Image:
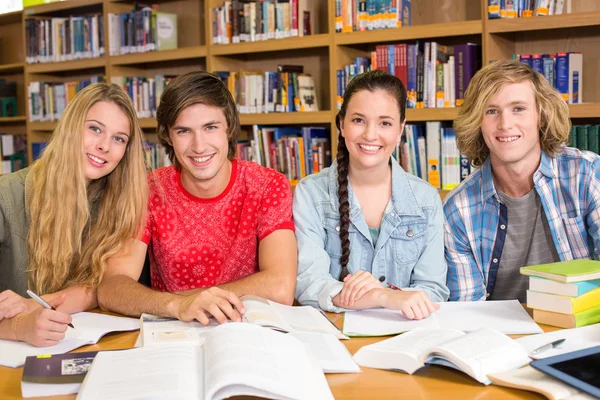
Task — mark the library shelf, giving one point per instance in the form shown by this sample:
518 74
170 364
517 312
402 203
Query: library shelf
60 6
147 123
443 193
11 18
431 114
12 120
584 110
287 118
261 46
51 67
45 126
11 68
427 31
181 53
508 25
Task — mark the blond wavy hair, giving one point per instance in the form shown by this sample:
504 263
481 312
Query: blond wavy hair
67 245
554 123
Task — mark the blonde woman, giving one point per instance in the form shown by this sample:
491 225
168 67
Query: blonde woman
531 201
62 218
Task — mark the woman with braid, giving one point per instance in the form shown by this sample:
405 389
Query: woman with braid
369 234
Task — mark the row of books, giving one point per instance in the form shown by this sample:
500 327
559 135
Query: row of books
144 92
294 151
435 76
527 8
13 151
48 100
250 21
287 90
64 39
564 294
564 71
155 156
585 137
367 15
144 29
430 152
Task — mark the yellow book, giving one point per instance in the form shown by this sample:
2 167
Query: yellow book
563 304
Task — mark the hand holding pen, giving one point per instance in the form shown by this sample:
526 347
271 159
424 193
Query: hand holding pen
43 303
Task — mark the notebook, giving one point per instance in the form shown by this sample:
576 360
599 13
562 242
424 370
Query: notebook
477 354
235 359
89 328
506 316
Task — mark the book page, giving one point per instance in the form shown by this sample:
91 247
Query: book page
259 312
576 339
383 322
305 319
331 353
89 328
259 361
157 372
506 316
403 352
529 378
157 330
482 352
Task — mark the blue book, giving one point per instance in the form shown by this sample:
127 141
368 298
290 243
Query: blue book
572 289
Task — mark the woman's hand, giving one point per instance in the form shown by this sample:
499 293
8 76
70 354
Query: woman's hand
12 304
355 286
42 327
414 304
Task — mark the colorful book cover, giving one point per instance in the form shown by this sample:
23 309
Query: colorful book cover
565 271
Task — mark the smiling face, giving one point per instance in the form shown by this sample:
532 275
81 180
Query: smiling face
510 127
200 142
371 128
106 134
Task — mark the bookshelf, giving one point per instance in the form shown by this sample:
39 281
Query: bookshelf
446 21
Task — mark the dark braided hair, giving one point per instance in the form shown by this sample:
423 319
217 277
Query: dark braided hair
371 81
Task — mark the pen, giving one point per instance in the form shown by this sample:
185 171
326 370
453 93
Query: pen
548 346
42 303
394 287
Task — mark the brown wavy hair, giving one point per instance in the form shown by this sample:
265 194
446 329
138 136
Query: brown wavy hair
196 87
554 123
371 81
67 246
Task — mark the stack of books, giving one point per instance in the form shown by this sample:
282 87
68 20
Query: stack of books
564 294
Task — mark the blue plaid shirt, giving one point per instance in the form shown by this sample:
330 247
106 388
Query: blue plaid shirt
476 221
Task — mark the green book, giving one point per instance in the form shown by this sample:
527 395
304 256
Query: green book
582 137
583 318
565 271
593 139
573 137
166 31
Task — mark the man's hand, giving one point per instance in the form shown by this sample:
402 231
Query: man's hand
218 303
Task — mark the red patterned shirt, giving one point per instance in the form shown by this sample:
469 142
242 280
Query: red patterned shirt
196 242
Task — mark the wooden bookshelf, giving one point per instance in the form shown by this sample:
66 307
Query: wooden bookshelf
11 18
306 42
12 68
160 56
53 67
550 22
430 114
585 110
11 120
45 126
70 5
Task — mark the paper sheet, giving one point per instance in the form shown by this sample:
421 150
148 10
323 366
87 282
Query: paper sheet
576 339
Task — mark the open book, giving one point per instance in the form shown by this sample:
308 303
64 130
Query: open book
90 327
259 311
528 378
235 359
478 353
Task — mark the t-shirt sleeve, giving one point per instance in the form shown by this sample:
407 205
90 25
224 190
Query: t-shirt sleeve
276 206
147 233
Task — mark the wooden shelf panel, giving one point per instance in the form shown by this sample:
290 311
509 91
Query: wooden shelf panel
443 193
11 68
147 123
288 118
429 31
304 42
59 6
431 114
505 25
585 110
12 120
159 56
86 63
46 126
11 17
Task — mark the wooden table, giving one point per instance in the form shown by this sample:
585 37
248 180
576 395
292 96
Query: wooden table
431 382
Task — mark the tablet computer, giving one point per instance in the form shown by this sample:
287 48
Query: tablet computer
580 369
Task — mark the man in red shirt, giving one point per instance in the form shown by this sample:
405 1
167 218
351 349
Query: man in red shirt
217 227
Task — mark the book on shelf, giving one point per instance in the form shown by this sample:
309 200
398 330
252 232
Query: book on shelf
144 92
8 98
367 15
53 39
235 359
13 153
527 8
479 353
53 375
528 378
307 93
37 149
563 304
155 156
565 271
575 320
572 289
585 137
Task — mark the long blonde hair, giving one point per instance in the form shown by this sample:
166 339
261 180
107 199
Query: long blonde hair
67 246
554 122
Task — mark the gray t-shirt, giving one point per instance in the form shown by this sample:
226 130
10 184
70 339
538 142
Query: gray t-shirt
528 242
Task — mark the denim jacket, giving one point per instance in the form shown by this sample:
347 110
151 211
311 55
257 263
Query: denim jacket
409 252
